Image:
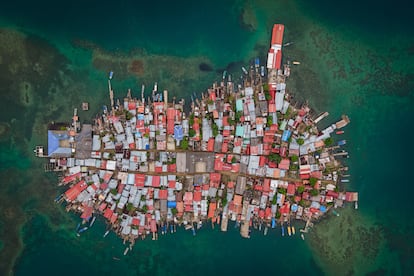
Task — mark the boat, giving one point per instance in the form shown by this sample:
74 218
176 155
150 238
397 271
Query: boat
302 236
111 74
335 213
92 221
115 258
262 71
287 44
342 142
265 231
273 222
295 62
126 251
77 227
344 180
58 198
244 70
194 231
289 231
293 230
106 233
356 204
171 228
224 74
283 230
83 229
339 132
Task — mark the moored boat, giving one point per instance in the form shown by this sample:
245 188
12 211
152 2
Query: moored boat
106 233
339 132
283 230
92 221
83 229
111 74
302 236
289 231
293 230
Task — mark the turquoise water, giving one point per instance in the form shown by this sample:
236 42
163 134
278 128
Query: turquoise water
355 59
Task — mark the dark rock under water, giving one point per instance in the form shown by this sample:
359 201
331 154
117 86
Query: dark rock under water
205 67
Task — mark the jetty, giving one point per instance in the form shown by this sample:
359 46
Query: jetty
244 153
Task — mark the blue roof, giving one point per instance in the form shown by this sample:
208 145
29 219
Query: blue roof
285 136
322 209
294 208
178 133
53 144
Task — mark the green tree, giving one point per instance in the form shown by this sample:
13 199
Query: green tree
328 141
191 120
300 141
302 202
278 215
314 192
184 144
191 132
234 159
312 181
238 116
274 157
114 191
215 130
144 208
129 207
174 211
301 189
274 200
269 121
282 191
294 158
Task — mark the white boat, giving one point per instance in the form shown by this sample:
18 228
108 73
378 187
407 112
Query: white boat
356 204
106 233
293 230
92 221
295 62
126 251
302 236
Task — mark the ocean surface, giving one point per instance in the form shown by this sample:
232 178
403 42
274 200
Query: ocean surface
356 59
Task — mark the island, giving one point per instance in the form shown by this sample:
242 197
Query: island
244 152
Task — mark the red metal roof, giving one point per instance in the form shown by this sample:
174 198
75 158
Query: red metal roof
291 189
163 194
197 196
278 60
73 192
211 209
277 34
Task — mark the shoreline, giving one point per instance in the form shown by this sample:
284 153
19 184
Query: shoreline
245 152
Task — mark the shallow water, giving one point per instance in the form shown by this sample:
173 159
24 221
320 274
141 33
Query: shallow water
352 61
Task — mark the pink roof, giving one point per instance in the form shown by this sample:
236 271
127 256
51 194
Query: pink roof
108 213
156 180
284 164
87 212
291 189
